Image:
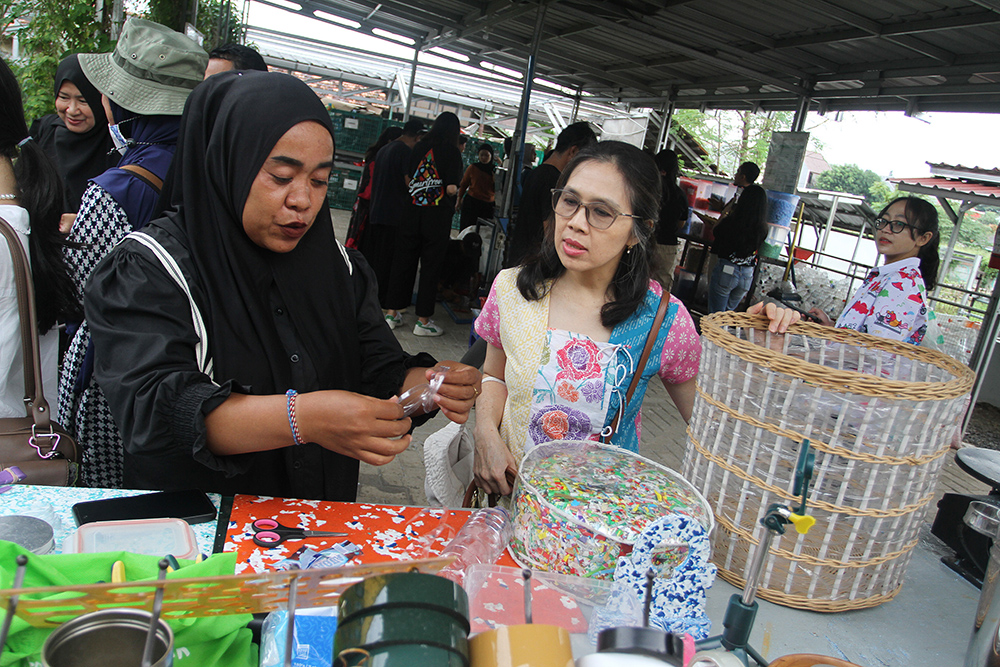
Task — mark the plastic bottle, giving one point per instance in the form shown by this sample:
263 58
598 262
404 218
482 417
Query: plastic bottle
481 540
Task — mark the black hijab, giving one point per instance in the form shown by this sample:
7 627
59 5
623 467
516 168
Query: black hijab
230 125
78 156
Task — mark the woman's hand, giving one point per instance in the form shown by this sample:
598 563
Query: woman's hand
781 318
457 394
820 315
368 429
66 221
493 463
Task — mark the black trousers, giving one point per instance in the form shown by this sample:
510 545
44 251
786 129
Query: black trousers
378 245
473 208
421 238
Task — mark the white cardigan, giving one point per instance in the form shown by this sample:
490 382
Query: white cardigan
11 365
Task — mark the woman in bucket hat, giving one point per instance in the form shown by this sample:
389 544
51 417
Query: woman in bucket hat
144 84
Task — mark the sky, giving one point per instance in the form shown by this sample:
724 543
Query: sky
888 143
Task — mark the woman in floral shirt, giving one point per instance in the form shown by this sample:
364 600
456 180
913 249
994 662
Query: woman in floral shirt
566 329
892 301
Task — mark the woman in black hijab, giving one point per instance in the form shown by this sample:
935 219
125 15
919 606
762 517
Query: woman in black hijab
76 136
284 307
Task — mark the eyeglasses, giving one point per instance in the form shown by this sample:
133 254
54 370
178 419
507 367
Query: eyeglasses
600 215
895 226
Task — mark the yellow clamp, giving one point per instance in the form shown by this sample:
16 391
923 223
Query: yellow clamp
802 522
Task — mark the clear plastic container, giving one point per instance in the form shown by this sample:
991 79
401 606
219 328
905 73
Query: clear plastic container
481 540
496 598
150 537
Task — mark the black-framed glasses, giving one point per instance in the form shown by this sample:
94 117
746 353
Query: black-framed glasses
895 226
600 215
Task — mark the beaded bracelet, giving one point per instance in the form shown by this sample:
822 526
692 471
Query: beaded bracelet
292 421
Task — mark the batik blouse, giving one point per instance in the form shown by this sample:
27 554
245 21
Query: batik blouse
891 303
565 385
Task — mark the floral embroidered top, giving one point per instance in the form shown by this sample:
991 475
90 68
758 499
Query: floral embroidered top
891 303
564 385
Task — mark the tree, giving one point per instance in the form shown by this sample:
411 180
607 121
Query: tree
57 29
880 194
848 178
733 137
218 20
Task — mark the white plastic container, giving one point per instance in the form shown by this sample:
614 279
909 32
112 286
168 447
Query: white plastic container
149 537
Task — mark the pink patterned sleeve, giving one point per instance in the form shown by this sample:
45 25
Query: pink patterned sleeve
682 349
488 322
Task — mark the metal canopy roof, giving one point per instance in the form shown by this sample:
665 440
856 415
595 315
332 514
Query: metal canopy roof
489 92
969 184
903 55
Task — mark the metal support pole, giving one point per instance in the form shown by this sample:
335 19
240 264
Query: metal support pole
517 139
956 220
982 353
413 78
576 105
854 256
668 116
829 222
799 121
796 241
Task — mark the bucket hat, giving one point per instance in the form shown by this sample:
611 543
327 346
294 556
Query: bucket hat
152 70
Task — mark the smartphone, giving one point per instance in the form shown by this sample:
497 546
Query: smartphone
193 506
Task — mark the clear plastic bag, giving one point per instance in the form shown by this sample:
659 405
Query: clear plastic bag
422 395
312 643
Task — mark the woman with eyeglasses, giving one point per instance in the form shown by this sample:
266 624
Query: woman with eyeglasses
892 301
567 328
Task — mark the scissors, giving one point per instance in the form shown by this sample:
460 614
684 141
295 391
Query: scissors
270 533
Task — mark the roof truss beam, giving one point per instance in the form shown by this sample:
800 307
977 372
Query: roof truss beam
489 18
890 30
651 34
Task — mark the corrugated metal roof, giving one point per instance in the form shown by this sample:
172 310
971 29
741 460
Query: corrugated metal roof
950 188
983 174
909 55
475 91
952 185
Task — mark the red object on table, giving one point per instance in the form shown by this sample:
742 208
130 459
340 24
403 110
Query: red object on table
383 532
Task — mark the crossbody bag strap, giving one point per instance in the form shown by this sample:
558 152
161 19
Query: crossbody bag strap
174 271
654 331
34 396
145 175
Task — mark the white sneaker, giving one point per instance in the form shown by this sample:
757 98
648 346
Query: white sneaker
429 329
394 322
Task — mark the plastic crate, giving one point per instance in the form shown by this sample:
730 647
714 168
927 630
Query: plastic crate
354 131
343 188
471 154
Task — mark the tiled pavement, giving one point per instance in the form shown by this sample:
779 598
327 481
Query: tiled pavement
663 437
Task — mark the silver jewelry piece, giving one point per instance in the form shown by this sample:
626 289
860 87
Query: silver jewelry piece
8 196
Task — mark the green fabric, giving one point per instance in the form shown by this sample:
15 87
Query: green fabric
218 640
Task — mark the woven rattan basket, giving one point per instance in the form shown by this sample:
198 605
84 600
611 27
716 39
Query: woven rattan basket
881 416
